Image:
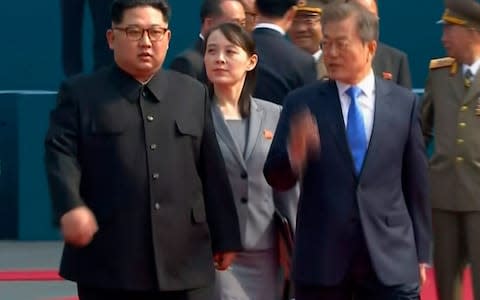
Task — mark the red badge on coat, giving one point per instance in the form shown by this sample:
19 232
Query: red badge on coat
387 75
267 134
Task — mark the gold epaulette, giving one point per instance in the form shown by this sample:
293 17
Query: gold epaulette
441 62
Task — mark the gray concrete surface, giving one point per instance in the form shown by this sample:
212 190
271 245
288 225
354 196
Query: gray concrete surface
16 255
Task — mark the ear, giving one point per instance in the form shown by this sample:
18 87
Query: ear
290 14
252 62
208 23
168 36
372 48
110 38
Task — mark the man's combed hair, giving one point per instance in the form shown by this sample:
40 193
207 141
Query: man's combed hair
274 8
212 8
120 6
366 21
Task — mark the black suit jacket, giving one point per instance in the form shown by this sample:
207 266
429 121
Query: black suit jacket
388 200
391 61
282 66
190 62
146 161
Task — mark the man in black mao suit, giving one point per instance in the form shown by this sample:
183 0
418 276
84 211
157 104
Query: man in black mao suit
282 66
364 221
136 177
212 12
392 64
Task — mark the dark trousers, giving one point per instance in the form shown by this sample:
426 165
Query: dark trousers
88 293
456 243
361 283
72 15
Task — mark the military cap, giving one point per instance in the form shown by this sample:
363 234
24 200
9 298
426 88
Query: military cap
462 12
310 6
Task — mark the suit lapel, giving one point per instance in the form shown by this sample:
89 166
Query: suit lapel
254 126
474 89
223 133
335 121
380 118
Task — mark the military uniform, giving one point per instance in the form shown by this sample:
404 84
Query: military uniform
451 113
313 8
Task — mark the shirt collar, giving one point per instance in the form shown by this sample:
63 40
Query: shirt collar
270 26
473 67
317 54
366 85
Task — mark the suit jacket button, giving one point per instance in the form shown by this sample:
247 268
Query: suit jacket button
155 175
153 146
244 200
157 206
150 118
244 175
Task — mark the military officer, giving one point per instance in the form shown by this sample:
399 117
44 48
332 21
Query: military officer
451 113
306 31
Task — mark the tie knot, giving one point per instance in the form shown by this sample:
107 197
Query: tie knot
353 92
468 74
468 77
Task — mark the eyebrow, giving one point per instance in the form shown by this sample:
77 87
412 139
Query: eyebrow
149 26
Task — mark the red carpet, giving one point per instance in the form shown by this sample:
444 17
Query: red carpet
29 275
428 290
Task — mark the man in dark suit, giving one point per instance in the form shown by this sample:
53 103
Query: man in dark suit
136 177
389 63
282 66
212 12
363 223
72 13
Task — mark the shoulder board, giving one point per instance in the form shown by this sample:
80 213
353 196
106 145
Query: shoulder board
441 62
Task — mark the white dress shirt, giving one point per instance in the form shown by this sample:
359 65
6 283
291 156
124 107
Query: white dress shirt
473 67
316 55
270 26
365 102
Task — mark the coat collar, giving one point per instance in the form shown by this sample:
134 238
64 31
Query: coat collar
131 88
254 129
474 90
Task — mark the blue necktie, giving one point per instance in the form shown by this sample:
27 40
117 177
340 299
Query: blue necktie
356 129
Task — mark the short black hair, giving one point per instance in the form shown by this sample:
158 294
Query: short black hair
120 6
274 8
212 8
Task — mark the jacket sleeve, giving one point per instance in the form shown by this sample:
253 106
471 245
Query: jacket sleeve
277 169
426 111
415 187
61 154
